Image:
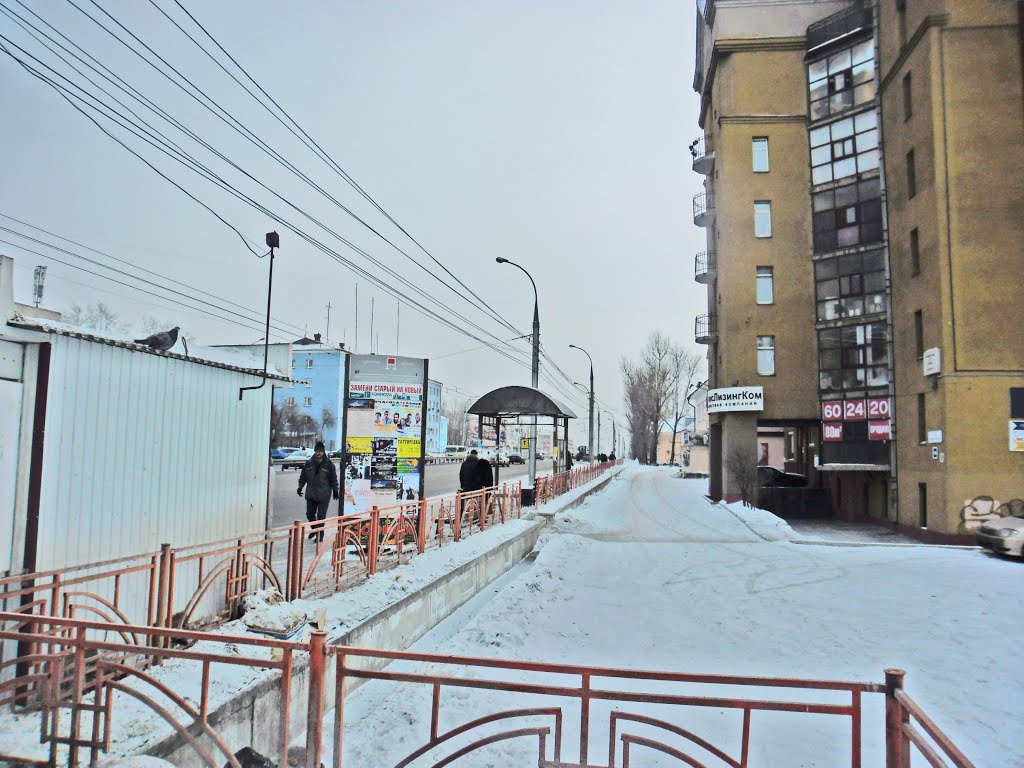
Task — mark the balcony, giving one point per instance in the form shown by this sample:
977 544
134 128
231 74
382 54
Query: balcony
703 209
704 329
703 155
839 26
704 267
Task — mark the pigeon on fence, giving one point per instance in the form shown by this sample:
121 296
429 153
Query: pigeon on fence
161 342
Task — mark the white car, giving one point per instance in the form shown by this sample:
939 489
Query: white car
1003 535
297 459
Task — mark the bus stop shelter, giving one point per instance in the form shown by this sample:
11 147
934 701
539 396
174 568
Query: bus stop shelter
522 405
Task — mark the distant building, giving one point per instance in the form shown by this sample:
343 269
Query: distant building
442 434
313 408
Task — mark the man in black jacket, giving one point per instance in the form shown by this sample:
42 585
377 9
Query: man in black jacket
484 474
320 479
468 473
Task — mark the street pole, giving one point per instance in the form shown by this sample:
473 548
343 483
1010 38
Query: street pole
590 425
598 432
535 371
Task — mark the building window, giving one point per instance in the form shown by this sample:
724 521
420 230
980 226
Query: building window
765 286
911 175
289 401
922 421
766 355
901 12
847 215
850 286
307 402
919 334
843 80
908 97
760 150
309 362
915 253
844 148
922 504
293 362
309 383
853 357
763 218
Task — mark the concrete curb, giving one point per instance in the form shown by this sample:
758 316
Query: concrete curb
243 720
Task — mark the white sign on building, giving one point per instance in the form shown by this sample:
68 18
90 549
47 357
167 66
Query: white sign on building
735 399
932 362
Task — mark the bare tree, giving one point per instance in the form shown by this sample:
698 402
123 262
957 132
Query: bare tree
685 364
742 468
328 420
99 316
656 387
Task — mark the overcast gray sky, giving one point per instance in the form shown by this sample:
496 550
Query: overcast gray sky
550 132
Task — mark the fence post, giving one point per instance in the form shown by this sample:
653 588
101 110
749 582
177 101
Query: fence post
458 515
895 743
161 596
504 501
295 561
315 708
76 694
483 508
421 528
373 543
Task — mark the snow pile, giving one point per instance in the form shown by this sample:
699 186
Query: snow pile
267 610
762 522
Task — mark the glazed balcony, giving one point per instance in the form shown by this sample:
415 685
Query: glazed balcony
703 155
844 25
703 209
704 330
704 267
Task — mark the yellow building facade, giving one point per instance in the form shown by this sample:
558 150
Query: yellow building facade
863 203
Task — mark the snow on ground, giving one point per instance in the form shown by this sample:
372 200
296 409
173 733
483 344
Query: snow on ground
134 726
649 574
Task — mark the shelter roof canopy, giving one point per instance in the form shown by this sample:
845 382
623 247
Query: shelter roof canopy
519 401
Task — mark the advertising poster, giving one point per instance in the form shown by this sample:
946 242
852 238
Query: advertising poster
384 431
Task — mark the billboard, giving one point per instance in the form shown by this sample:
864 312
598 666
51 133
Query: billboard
735 399
385 430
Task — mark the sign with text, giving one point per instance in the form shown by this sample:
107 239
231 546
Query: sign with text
879 430
832 431
384 431
879 408
934 436
832 410
932 361
1017 436
854 410
735 399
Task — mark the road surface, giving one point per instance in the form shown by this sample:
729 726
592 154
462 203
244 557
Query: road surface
441 479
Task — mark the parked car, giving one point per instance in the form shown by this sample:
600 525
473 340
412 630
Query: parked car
456 452
770 477
1003 535
515 458
297 459
278 453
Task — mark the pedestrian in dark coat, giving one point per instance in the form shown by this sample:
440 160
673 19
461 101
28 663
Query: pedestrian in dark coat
611 456
320 479
468 473
485 474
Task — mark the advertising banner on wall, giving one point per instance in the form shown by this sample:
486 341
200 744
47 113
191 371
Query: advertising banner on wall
385 430
735 399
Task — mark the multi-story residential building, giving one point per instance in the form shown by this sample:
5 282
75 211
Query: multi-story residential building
319 372
864 203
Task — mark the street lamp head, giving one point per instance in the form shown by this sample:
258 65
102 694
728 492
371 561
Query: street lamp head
573 346
501 260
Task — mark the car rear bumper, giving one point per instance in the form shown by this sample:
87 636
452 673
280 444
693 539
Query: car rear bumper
999 544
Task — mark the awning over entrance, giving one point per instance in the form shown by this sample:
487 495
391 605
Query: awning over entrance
510 402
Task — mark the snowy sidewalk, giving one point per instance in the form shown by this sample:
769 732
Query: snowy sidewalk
650 575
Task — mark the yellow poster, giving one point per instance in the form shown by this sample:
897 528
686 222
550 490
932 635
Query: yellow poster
524 443
359 445
409 447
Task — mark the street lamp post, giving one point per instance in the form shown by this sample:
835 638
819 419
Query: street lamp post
535 368
612 417
590 428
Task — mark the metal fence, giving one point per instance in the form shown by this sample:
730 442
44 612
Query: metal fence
84 685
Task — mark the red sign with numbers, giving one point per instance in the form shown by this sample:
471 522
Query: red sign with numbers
879 430
879 408
833 432
832 410
854 410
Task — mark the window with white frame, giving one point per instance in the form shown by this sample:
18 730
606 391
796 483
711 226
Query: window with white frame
760 152
844 148
309 383
763 218
766 355
309 362
308 402
289 401
765 285
843 80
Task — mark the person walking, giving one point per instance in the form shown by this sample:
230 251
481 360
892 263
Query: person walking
320 479
484 474
468 472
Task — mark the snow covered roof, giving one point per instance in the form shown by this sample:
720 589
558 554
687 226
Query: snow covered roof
519 401
231 359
